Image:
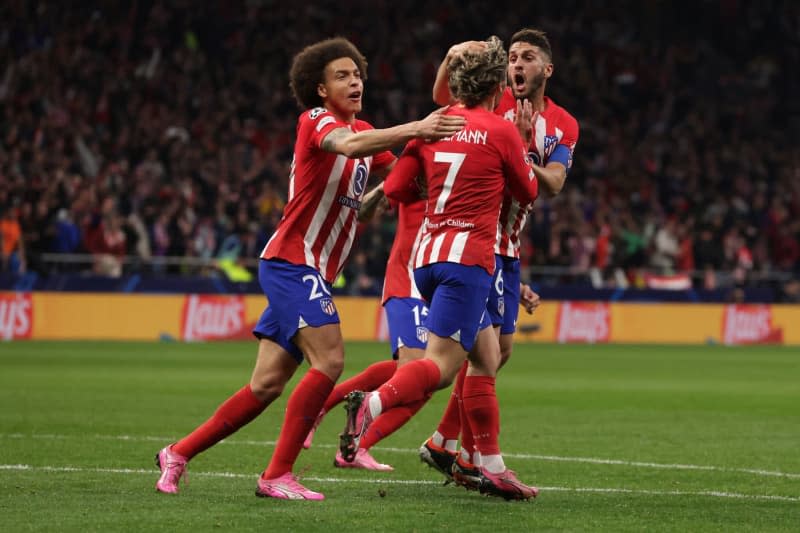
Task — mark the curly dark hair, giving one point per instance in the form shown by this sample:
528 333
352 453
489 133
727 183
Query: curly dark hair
472 76
534 37
308 68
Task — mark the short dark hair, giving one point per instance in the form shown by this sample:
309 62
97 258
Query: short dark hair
534 37
308 68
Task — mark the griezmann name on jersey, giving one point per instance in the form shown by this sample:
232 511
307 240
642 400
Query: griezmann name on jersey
466 176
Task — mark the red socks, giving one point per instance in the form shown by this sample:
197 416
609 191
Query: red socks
410 384
369 379
482 410
450 424
467 440
237 411
302 408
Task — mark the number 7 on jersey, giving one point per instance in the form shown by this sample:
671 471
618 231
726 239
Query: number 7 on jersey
455 160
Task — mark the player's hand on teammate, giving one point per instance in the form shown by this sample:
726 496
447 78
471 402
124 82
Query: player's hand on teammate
524 120
438 125
528 298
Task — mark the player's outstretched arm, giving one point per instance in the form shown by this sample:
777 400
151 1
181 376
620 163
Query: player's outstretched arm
368 142
441 90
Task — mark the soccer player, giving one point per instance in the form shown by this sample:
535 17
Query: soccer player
552 140
334 154
466 175
405 312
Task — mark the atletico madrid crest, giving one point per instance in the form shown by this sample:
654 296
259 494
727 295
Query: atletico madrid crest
501 306
422 334
327 306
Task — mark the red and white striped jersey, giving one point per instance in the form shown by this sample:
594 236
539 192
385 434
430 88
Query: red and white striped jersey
325 189
554 127
466 175
399 280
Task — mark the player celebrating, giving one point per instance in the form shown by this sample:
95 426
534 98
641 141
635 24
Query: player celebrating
552 140
333 156
405 312
466 175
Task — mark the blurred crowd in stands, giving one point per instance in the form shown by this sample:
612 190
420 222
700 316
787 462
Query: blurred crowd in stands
147 129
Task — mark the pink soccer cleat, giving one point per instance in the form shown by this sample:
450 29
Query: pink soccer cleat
310 436
358 420
173 468
506 485
285 487
363 460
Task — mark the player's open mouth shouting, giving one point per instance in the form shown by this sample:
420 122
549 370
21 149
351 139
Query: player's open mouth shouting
518 83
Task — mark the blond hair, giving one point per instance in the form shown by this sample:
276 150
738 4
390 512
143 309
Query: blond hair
473 75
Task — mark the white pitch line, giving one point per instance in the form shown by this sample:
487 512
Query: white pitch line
589 460
373 481
673 466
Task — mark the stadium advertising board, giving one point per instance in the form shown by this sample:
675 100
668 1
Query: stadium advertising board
750 324
583 322
195 317
105 316
210 317
16 316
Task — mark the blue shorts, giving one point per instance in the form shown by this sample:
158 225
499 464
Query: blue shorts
406 318
510 294
457 295
297 297
495 306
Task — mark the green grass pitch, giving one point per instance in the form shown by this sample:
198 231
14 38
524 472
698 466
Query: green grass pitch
619 438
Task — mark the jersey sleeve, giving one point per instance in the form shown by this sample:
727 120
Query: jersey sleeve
517 167
317 123
400 185
566 147
382 160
